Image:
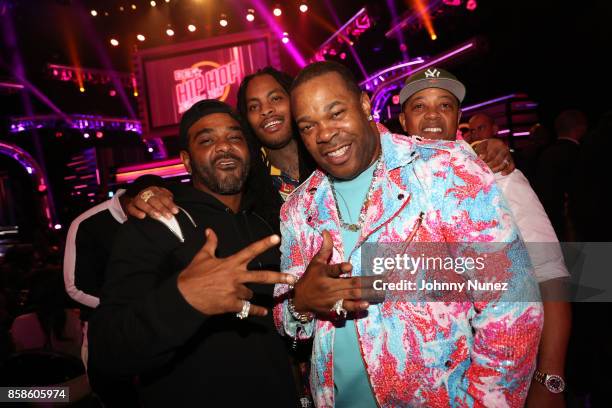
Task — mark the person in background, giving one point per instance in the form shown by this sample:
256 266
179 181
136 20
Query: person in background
482 127
555 171
88 246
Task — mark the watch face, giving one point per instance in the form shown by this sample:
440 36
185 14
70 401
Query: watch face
555 384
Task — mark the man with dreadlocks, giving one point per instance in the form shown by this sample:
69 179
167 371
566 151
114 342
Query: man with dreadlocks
176 309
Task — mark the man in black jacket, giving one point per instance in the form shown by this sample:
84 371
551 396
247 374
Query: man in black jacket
173 308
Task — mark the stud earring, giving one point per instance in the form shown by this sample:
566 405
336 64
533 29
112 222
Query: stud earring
370 117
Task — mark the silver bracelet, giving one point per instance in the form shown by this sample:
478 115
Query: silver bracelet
303 318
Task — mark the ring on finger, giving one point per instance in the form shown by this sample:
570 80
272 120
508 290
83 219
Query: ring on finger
340 311
146 195
244 313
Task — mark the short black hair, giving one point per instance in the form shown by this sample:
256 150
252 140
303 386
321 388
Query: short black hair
317 69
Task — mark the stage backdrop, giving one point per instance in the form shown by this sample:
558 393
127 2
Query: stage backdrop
172 78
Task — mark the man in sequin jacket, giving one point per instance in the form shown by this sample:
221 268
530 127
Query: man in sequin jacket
434 354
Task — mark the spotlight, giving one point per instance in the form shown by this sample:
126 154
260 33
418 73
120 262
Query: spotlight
434 37
114 42
140 37
99 134
169 32
277 11
223 20
135 93
86 135
191 28
81 89
133 7
303 7
121 8
112 92
58 134
94 13
167 1
471 5
285 38
153 4
150 149
343 55
250 15
57 226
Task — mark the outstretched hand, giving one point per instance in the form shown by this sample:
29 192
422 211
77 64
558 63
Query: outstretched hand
217 285
321 285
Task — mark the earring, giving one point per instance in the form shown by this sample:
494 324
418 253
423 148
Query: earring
370 117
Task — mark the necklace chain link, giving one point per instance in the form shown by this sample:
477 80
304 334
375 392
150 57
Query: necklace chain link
364 208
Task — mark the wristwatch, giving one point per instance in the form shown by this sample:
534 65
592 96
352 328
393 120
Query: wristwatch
553 382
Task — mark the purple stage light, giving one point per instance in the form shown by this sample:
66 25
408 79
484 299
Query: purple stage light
270 21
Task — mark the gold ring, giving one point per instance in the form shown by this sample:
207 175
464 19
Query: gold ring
146 195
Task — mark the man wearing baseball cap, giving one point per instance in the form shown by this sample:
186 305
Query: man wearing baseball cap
185 305
431 102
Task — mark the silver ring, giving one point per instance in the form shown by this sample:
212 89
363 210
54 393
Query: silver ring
340 311
146 195
244 313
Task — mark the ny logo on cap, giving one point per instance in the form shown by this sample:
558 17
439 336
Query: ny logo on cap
432 73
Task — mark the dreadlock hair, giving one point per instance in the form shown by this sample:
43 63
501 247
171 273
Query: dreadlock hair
306 163
258 185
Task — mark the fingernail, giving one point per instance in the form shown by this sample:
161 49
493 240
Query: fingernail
156 215
365 305
168 215
265 313
175 211
275 239
291 279
207 232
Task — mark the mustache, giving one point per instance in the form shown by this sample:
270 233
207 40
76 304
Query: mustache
226 155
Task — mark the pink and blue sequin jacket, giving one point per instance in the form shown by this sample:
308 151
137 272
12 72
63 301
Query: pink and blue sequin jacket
430 354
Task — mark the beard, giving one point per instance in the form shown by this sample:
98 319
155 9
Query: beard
221 181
